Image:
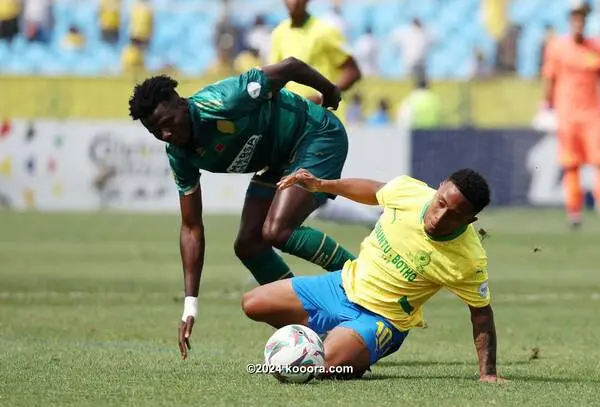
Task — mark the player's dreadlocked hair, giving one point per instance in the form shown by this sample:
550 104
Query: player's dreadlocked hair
473 187
148 94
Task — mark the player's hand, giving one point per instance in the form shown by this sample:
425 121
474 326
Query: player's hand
185 331
492 379
332 98
302 178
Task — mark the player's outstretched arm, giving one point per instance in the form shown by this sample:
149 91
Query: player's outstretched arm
484 335
356 189
191 244
294 70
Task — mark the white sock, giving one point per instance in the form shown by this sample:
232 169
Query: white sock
346 211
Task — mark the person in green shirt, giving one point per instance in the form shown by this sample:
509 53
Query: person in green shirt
249 124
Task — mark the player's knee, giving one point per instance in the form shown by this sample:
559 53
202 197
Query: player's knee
246 247
276 232
252 305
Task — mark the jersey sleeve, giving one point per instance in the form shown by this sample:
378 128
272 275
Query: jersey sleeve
233 97
473 290
187 177
551 62
336 46
394 192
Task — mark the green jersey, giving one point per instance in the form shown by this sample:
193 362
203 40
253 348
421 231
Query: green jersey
239 125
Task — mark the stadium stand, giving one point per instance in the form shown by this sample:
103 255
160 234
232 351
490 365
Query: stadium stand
183 34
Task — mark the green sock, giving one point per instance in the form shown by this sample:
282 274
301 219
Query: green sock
267 267
318 248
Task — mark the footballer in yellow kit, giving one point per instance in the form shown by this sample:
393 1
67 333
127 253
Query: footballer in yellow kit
319 44
423 241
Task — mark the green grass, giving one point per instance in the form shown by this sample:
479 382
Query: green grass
89 307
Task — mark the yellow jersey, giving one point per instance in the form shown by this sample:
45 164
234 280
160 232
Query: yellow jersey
400 266
9 9
317 43
110 14
142 20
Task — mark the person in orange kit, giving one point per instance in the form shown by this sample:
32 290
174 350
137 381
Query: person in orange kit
571 70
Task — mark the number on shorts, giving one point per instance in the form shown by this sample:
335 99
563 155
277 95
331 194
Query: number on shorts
383 334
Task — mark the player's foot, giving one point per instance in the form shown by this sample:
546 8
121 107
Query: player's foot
574 221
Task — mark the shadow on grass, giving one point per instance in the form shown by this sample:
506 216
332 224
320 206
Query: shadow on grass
422 363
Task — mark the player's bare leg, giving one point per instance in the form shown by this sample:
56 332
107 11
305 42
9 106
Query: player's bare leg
345 347
275 304
252 249
283 230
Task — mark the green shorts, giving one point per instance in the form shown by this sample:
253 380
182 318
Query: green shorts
322 151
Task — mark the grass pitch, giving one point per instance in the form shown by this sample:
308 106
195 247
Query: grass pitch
89 307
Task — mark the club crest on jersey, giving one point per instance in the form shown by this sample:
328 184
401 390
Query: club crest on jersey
253 89
242 160
421 259
225 127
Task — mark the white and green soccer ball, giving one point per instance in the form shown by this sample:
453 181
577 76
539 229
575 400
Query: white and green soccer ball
295 354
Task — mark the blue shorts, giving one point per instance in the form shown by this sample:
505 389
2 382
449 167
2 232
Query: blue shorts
327 305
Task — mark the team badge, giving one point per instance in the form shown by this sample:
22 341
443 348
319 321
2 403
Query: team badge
421 259
254 89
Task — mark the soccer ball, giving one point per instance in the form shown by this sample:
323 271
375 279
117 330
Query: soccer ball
294 354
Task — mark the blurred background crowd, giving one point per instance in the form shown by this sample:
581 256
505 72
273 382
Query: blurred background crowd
415 41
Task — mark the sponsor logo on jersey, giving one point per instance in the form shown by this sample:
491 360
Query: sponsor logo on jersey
241 161
225 127
253 89
391 257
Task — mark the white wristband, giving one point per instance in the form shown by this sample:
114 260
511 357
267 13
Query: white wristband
190 308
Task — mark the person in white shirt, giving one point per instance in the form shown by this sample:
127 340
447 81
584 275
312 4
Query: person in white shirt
367 53
414 43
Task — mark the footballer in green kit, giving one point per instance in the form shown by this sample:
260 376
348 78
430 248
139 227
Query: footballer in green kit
249 124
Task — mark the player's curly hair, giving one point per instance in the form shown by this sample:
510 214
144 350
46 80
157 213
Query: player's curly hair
148 94
473 187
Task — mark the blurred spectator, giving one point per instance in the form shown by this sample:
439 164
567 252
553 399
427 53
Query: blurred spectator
142 22
246 60
479 68
259 38
37 15
132 57
110 20
73 40
549 34
336 19
421 109
414 43
355 110
223 64
9 19
506 58
381 116
495 17
367 52
227 35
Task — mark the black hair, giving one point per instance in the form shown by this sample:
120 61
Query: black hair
149 94
473 187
